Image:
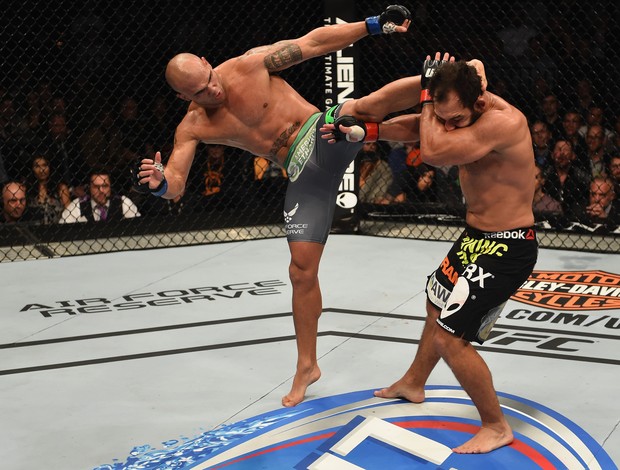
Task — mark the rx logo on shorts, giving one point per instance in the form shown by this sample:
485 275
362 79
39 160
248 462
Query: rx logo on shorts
475 273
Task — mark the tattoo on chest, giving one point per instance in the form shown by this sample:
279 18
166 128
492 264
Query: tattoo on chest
283 57
283 138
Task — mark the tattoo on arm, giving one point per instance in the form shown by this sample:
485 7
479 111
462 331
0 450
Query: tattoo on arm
283 57
283 138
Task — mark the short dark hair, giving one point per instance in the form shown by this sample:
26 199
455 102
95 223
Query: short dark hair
458 77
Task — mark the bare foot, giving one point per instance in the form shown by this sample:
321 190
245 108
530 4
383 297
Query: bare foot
402 389
303 379
486 440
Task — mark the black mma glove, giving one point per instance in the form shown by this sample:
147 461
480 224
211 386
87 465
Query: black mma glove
429 67
367 132
386 22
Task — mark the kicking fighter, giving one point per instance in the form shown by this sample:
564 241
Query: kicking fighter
242 103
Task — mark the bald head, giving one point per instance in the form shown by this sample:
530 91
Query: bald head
184 69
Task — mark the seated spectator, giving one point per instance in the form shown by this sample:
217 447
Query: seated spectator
49 194
595 116
601 209
542 142
61 150
544 206
571 124
100 205
375 173
265 169
614 173
564 181
15 205
222 173
397 156
550 108
184 204
416 185
598 159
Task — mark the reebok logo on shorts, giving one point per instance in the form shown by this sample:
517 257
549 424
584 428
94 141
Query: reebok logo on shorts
512 234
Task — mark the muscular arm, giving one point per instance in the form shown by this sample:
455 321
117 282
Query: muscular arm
405 128
492 131
177 168
179 164
317 42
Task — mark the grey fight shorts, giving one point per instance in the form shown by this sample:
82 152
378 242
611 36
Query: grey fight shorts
315 169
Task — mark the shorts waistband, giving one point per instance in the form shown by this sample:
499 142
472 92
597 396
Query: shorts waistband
523 233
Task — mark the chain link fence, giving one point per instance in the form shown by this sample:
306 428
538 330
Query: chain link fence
83 96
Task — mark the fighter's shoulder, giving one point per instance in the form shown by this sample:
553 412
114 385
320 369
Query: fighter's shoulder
194 118
254 57
504 116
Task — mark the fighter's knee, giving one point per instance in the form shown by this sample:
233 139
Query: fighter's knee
300 275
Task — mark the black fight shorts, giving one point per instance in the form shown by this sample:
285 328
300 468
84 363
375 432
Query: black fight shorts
478 276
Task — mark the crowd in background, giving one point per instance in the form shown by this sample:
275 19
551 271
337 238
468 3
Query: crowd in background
68 145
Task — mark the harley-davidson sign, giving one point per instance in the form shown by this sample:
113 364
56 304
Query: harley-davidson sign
571 290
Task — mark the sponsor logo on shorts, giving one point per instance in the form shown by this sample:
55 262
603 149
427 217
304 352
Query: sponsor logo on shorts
448 270
437 294
304 150
571 290
471 248
528 234
288 216
475 273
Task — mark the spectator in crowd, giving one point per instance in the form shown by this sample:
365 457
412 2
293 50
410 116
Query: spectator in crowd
213 175
595 116
564 181
571 124
15 205
34 123
61 149
414 185
269 184
601 208
160 127
182 204
541 140
375 175
4 175
13 152
598 159
584 97
134 140
551 116
223 173
544 206
266 169
397 156
101 146
101 205
614 172
46 192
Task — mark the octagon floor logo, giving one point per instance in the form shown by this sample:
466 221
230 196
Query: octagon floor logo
359 431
